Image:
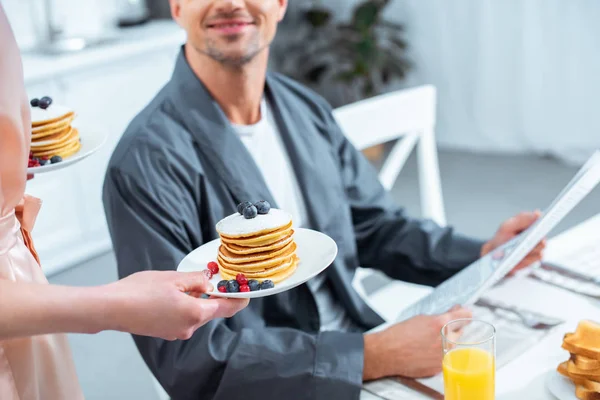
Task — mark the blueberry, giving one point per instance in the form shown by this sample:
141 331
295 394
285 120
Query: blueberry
233 286
43 161
263 207
45 102
250 212
267 284
221 283
35 102
254 285
56 159
242 206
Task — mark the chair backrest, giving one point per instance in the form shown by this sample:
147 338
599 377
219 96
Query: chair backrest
389 116
407 116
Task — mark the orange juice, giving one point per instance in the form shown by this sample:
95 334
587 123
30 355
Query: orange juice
469 374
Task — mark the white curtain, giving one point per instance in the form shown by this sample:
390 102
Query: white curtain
512 75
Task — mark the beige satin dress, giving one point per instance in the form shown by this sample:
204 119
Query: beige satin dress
39 367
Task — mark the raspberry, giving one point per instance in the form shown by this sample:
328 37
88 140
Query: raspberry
222 289
213 267
244 288
207 273
241 279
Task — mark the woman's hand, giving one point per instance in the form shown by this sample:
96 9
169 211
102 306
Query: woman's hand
157 303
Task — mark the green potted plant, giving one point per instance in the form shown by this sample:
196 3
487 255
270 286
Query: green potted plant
362 55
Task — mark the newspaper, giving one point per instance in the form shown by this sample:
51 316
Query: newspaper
467 286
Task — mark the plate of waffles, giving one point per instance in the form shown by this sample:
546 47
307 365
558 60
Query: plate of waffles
259 254
56 139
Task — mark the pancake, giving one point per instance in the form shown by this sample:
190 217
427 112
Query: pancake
50 130
270 262
241 250
63 152
259 241
65 141
59 136
54 113
233 258
236 226
276 277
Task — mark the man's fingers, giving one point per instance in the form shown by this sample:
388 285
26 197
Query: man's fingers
195 282
455 313
520 222
454 336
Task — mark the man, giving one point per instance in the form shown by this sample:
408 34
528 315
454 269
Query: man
223 131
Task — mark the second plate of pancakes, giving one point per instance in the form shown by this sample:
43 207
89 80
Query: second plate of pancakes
91 141
289 257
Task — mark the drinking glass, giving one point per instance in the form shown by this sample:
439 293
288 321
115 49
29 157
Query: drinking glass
469 365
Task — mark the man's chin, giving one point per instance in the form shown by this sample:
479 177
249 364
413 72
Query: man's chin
233 58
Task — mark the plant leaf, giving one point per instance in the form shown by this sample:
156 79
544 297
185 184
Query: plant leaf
315 73
366 15
366 48
317 17
347 76
399 43
385 74
384 23
369 88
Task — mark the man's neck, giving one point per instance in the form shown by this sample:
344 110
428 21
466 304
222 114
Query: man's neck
238 90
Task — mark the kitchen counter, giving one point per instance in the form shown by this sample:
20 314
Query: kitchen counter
124 43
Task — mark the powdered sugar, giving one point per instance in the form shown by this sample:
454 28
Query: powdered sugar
236 224
55 111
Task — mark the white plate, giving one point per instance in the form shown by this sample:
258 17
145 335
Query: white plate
315 250
91 141
561 387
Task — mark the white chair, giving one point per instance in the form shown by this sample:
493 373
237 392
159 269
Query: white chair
408 117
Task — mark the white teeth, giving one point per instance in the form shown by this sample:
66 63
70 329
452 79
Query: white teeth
228 25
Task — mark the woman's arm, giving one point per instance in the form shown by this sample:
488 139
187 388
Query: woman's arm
149 303
15 121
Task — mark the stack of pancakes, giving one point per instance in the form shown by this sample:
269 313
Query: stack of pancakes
583 366
260 248
52 133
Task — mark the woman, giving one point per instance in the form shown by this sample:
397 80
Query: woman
35 360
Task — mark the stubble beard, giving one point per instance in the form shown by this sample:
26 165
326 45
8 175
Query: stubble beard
235 62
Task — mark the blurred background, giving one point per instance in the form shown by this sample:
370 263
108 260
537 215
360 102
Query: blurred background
517 92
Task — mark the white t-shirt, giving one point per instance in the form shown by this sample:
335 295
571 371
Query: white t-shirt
268 151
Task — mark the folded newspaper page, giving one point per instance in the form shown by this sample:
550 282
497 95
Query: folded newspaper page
468 285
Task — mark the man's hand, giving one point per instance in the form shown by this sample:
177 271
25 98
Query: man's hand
412 348
164 304
511 228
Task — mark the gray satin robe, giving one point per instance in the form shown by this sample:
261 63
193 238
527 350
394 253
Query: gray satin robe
180 167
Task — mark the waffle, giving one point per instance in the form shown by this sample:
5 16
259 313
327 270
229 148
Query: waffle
261 248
